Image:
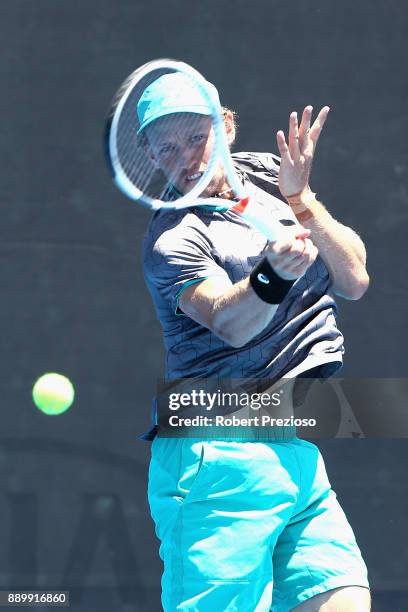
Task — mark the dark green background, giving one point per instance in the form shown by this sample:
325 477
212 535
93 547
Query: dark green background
73 488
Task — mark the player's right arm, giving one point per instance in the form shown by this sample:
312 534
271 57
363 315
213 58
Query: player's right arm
234 312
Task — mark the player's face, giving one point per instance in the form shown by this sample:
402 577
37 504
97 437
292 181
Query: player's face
182 145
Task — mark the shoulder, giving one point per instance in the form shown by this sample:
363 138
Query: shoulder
267 163
261 169
170 224
173 232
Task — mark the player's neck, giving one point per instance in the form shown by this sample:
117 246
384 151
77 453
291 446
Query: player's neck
226 194
224 190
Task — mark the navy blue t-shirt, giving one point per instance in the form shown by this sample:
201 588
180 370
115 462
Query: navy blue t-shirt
189 245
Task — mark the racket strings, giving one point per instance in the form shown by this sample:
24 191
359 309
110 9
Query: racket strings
136 153
138 164
163 179
134 162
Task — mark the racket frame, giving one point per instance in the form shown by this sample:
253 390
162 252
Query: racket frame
241 204
221 153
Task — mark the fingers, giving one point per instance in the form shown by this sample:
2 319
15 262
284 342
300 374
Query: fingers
293 138
293 255
305 258
300 137
290 235
318 124
292 267
283 147
298 250
304 128
301 232
298 152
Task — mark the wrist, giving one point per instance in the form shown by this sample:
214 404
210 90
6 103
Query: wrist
302 203
267 284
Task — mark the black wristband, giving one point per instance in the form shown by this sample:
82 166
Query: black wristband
268 285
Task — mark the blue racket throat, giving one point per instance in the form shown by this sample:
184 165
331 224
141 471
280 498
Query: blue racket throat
214 208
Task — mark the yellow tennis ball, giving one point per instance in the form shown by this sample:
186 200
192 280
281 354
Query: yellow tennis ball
53 393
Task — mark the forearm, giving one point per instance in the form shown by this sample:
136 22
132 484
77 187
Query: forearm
340 248
233 312
239 314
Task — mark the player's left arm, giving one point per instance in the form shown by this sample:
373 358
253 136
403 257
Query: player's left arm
342 251
339 246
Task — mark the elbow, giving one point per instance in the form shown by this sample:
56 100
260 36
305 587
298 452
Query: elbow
236 341
357 288
229 332
233 338
361 286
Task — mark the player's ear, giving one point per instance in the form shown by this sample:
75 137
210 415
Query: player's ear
229 123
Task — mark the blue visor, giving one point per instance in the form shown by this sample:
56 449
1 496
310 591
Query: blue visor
173 93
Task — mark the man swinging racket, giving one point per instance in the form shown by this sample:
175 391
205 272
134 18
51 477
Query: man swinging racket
247 525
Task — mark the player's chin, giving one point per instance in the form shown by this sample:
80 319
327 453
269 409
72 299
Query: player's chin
211 190
184 189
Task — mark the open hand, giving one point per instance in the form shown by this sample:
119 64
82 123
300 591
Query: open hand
297 155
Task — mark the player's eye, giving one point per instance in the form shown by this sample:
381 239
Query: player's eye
167 149
197 138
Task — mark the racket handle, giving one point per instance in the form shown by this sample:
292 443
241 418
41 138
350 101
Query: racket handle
259 217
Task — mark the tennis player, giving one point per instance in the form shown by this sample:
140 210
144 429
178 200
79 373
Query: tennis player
247 525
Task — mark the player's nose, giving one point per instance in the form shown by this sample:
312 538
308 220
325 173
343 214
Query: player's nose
187 158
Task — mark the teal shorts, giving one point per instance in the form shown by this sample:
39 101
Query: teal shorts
248 526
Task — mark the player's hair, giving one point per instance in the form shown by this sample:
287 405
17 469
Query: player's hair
225 110
143 142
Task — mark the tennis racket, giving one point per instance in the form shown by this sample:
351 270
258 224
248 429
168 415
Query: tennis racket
167 146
